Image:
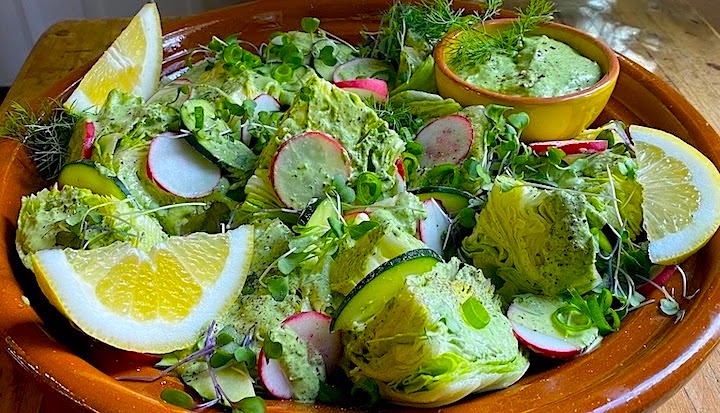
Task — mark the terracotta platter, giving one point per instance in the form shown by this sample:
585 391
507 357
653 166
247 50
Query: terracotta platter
634 369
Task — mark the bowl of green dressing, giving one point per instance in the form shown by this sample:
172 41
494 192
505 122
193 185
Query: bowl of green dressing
560 76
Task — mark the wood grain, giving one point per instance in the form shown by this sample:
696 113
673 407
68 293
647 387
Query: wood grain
676 39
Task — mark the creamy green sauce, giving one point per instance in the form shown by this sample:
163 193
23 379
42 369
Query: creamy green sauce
542 68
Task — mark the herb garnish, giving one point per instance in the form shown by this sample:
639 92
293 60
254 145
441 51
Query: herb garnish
475 45
45 132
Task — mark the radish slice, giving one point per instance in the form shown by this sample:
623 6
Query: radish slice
445 140
314 329
362 68
263 103
401 168
266 103
304 164
401 175
531 320
366 88
179 169
88 140
544 344
433 229
273 377
355 218
570 147
245 135
660 277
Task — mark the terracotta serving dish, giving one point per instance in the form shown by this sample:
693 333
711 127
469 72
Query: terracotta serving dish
635 369
554 118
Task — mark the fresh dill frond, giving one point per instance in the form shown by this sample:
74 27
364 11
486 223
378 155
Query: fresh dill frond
45 133
399 118
475 45
427 21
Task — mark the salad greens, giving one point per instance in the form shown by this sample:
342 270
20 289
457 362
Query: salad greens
562 232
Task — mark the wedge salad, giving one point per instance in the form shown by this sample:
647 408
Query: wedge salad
307 219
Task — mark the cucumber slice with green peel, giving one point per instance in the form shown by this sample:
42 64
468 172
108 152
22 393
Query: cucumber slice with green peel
317 213
452 199
197 114
364 68
341 52
382 284
84 174
532 319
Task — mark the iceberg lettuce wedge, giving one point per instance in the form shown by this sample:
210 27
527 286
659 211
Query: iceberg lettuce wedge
535 240
442 337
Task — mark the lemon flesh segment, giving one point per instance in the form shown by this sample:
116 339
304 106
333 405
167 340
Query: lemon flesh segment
681 194
131 64
152 302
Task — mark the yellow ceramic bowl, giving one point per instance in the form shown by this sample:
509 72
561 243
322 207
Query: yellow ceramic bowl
555 118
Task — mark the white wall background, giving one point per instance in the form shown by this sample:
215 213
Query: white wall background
22 22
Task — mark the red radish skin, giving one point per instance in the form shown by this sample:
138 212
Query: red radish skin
357 217
570 147
661 278
445 140
88 140
433 229
401 168
401 175
314 328
176 167
544 344
366 88
322 146
273 377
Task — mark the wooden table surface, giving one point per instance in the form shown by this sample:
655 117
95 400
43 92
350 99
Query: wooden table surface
676 39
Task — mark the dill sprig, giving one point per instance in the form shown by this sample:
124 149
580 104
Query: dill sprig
475 45
426 21
45 133
398 117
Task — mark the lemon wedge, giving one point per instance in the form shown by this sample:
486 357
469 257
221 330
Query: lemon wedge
151 302
681 195
132 64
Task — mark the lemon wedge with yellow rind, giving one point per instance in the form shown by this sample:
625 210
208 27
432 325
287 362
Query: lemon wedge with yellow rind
681 195
131 64
151 302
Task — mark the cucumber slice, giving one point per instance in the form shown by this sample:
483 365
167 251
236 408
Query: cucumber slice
377 288
317 213
452 199
364 68
84 174
341 52
197 114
